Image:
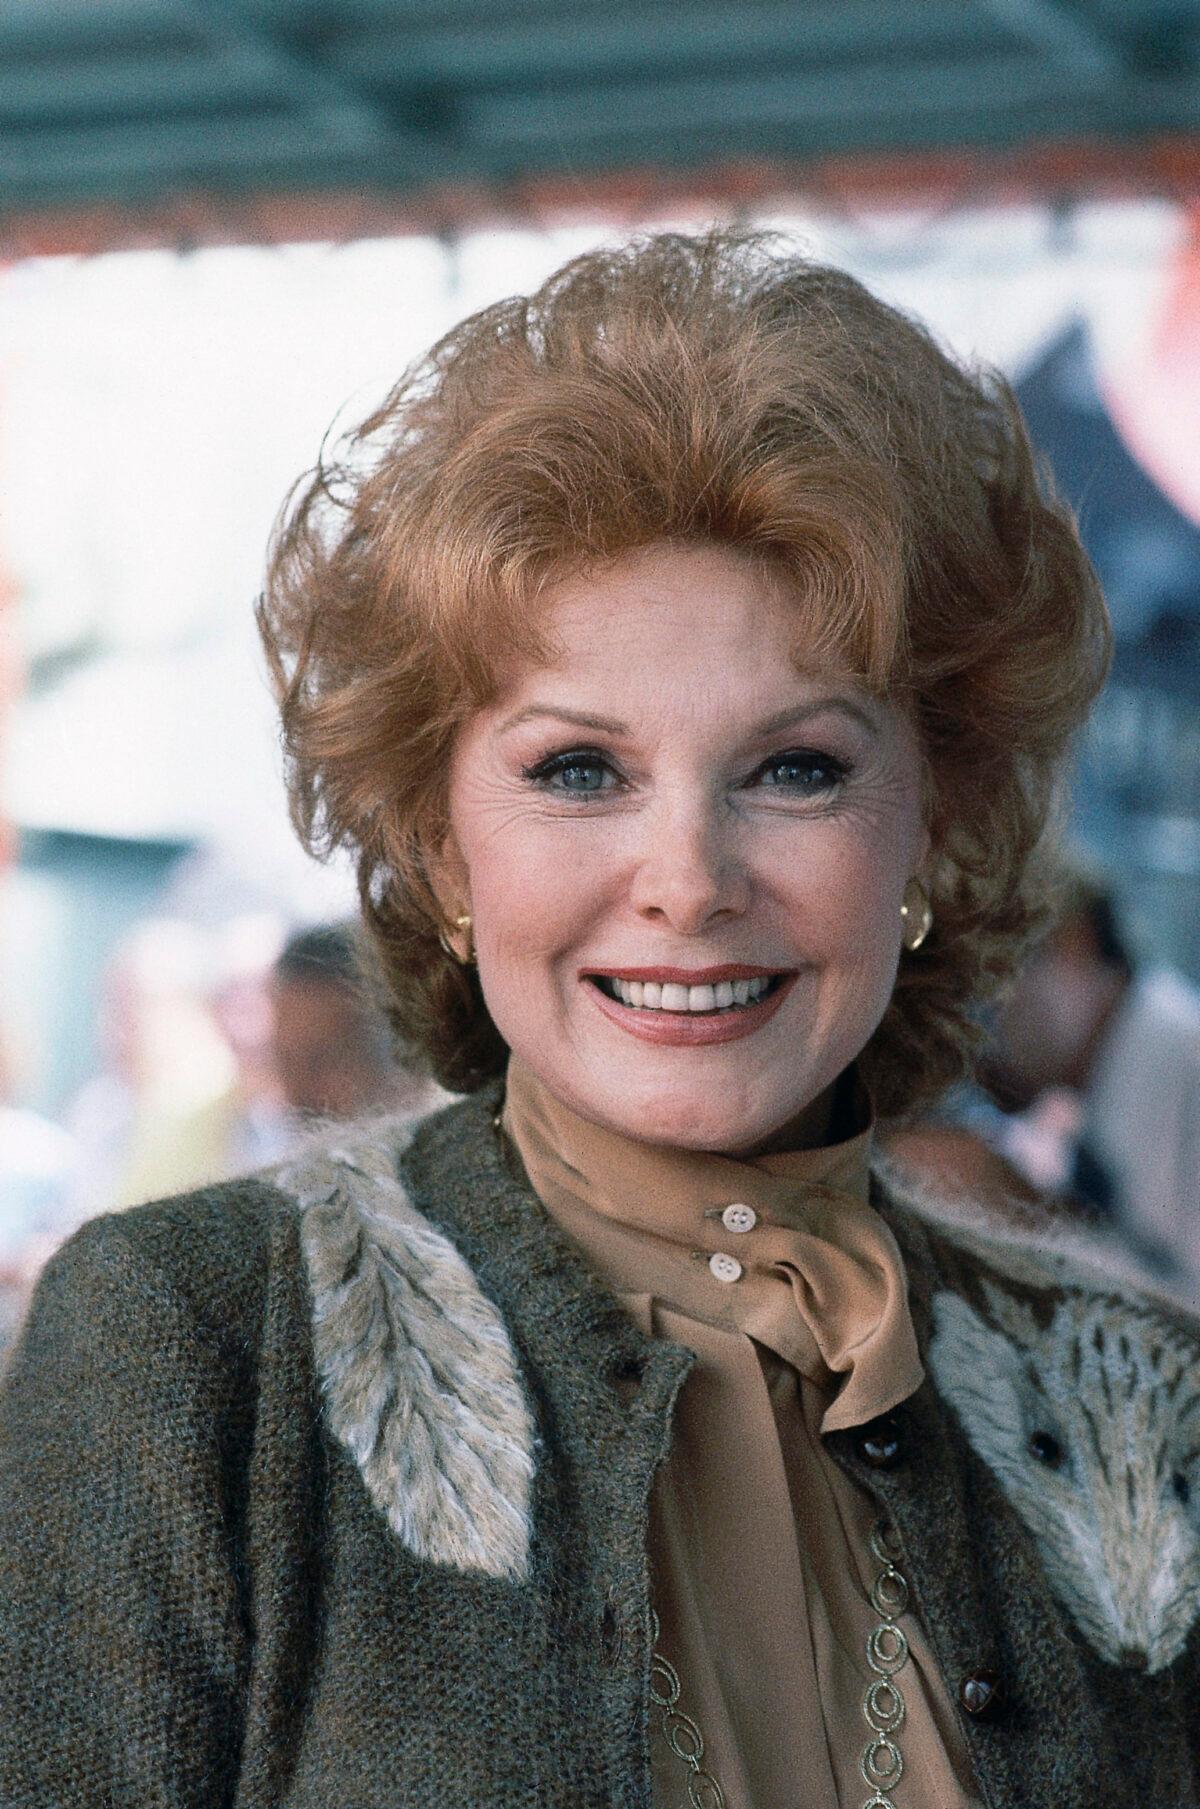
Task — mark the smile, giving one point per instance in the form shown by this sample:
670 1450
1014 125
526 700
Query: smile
652 995
667 1006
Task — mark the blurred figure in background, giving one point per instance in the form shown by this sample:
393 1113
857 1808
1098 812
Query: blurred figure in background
333 1048
38 1163
260 1127
1099 1065
956 1151
158 1116
217 1047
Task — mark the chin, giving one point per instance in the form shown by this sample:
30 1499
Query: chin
696 1124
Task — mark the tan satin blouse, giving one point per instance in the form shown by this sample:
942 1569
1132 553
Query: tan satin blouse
790 1290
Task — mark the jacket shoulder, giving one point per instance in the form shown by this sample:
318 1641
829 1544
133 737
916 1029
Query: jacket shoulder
129 1422
953 1241
210 1251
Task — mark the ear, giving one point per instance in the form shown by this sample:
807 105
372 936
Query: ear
449 878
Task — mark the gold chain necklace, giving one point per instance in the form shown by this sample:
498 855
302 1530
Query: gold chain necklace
681 1733
884 1709
882 1763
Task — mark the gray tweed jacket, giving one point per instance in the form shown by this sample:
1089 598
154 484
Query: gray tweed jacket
329 1491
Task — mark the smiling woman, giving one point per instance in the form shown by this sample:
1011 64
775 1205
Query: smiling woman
687 654
703 393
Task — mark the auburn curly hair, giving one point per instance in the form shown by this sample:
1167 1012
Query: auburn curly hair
714 388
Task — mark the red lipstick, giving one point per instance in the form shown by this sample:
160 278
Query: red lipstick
686 1029
687 976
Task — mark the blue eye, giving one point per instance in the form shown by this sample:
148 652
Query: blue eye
581 773
803 770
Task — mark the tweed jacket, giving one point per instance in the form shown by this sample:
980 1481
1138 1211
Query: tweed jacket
329 1490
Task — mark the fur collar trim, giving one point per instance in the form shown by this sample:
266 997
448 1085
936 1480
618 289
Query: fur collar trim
1081 1393
419 1377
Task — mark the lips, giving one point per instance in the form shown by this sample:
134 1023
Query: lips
724 1021
687 976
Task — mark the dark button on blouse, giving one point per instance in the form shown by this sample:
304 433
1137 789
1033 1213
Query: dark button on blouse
981 1694
880 1443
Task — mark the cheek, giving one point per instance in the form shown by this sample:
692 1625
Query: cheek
538 893
535 889
842 892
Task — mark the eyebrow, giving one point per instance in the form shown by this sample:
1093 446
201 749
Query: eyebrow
772 725
604 725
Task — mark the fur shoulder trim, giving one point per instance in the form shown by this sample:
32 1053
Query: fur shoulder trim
1080 1391
420 1381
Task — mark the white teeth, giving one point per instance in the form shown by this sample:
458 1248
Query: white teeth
649 995
745 992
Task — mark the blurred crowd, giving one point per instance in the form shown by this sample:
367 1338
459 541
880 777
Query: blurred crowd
220 1049
1087 1100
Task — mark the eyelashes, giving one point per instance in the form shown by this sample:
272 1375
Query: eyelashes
811 772
585 772
578 763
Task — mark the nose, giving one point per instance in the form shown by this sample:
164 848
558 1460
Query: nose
1133 1658
689 871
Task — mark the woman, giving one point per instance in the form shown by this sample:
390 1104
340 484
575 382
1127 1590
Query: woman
687 654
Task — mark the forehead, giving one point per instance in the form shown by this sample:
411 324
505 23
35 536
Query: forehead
710 612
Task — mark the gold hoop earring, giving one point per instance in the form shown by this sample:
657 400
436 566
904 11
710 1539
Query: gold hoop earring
916 914
464 956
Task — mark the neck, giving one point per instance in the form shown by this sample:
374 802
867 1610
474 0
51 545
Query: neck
833 1121
812 1127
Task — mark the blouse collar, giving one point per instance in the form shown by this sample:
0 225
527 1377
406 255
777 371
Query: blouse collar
783 1247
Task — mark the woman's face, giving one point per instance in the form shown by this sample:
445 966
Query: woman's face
684 856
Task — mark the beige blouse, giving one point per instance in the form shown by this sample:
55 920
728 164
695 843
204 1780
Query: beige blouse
790 1290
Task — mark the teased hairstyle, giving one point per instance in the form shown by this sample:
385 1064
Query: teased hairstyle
721 389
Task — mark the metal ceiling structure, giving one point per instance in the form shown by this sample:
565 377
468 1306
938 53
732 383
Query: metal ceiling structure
133 102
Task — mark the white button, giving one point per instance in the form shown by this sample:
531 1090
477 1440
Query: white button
725 1268
739 1218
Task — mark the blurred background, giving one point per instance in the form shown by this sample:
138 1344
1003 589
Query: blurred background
227 224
